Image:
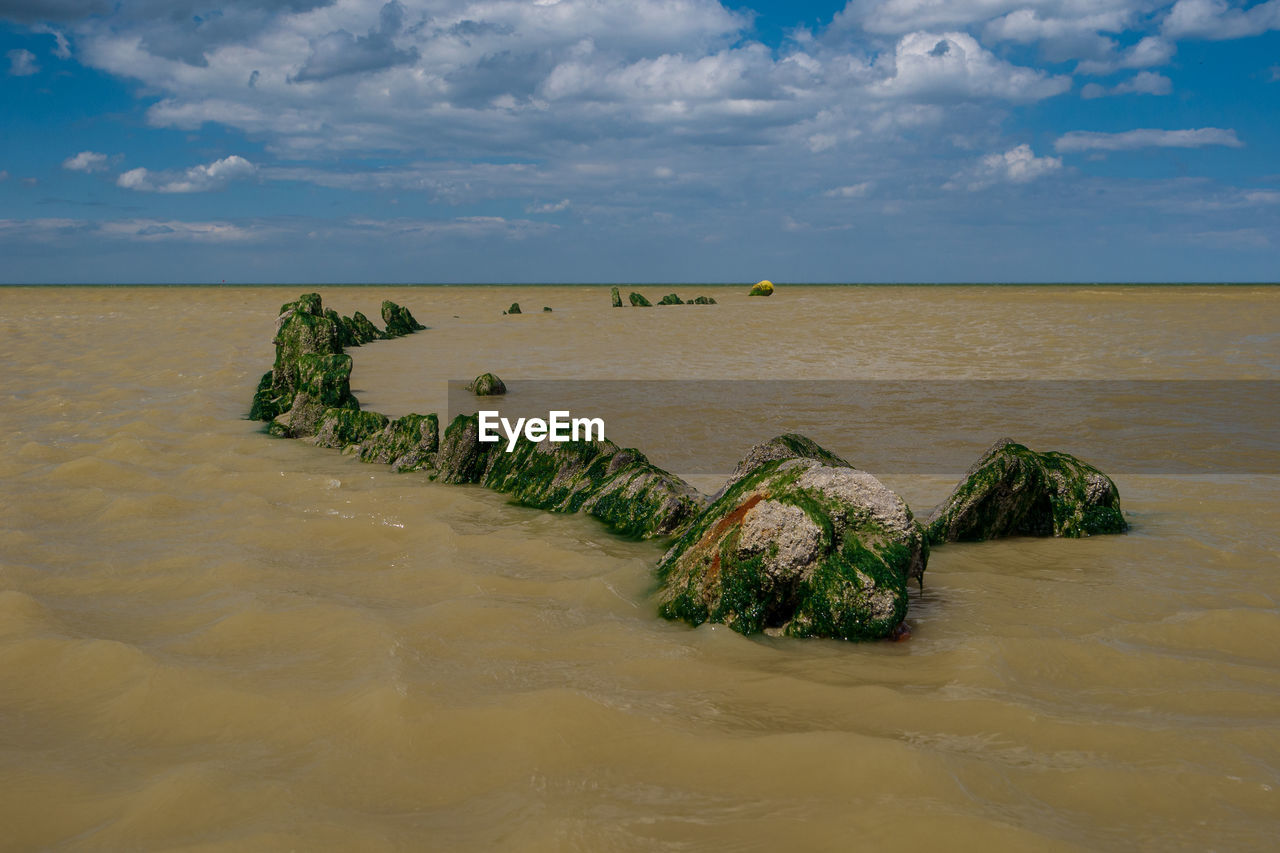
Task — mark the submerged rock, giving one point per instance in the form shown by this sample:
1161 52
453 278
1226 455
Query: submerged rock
398 320
618 486
487 385
1013 491
617 297
406 444
702 300
797 547
638 300
762 288
546 309
341 428
671 299
514 309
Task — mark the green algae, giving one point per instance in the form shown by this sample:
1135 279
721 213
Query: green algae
398 320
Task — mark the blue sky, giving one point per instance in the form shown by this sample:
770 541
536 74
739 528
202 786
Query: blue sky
646 140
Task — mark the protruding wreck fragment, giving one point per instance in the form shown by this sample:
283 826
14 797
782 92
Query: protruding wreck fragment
618 486
398 320
361 329
797 547
617 297
638 300
1014 491
309 363
762 288
514 309
702 300
487 385
671 299
346 335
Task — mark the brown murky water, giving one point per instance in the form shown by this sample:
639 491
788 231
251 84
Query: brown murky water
214 640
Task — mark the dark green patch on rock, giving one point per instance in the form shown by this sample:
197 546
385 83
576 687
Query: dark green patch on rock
703 300
398 320
616 297
671 299
1014 491
638 301
514 309
797 547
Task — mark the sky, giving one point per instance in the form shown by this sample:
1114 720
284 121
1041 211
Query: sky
311 141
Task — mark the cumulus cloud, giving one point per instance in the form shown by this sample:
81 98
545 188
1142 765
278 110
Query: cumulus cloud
1081 140
1018 165
22 63
210 176
86 161
1142 83
339 52
1216 19
1148 52
941 66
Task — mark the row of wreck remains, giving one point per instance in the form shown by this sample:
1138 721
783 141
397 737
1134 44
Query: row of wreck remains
798 542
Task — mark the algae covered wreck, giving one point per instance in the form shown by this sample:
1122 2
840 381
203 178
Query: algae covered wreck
798 542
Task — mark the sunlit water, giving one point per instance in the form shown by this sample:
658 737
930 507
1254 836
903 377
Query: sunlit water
211 639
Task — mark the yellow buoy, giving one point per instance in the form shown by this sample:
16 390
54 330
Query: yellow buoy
762 288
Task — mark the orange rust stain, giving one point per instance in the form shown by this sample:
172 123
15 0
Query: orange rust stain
736 516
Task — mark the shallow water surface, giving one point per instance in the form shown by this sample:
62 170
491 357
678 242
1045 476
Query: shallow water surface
212 639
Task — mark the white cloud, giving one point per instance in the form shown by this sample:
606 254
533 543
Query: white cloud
211 176
22 63
1018 165
1082 140
851 191
4 174
1148 52
1142 83
167 230
1216 19
931 66
86 161
61 47
555 207
132 230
